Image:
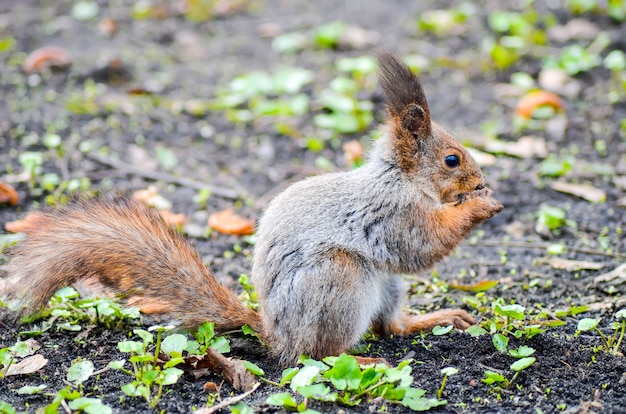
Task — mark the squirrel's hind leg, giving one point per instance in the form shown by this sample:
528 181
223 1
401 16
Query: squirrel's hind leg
392 321
322 308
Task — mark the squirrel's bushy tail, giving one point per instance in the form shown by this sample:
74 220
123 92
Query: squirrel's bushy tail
128 248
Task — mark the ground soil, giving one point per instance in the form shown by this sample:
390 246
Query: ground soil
181 61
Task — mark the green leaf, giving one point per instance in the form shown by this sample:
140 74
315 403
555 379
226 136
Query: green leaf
493 377
130 346
511 311
117 364
170 376
501 342
317 391
6 408
620 314
220 344
146 336
282 399
441 330
345 373
89 406
305 376
327 35
449 371
522 351
369 377
288 374
476 331
80 372
588 324
556 248
6 44
174 344
422 404
174 361
85 10
31 389
241 408
575 310
523 363
253 368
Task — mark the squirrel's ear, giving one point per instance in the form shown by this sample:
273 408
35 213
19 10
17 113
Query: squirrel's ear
404 96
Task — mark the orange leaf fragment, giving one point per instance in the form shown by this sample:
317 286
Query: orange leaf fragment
8 194
532 100
478 287
47 57
227 222
173 219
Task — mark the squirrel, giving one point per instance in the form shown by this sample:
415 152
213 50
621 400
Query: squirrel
329 249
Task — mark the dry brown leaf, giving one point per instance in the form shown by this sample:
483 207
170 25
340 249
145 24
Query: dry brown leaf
8 194
574 29
616 276
228 222
231 369
27 366
532 100
574 265
47 57
584 191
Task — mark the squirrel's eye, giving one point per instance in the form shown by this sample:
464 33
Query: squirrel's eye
452 161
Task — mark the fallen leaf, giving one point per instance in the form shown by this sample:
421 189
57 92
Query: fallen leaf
47 57
151 197
173 219
558 81
233 370
8 194
574 29
573 265
526 147
615 277
584 191
227 222
27 366
532 100
356 37
477 287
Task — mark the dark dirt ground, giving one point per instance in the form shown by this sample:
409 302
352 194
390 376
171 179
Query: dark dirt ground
182 61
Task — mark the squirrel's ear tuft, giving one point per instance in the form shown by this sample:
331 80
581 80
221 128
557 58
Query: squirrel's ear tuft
400 86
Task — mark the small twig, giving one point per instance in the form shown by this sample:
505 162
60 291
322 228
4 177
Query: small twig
541 245
66 407
160 176
228 401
